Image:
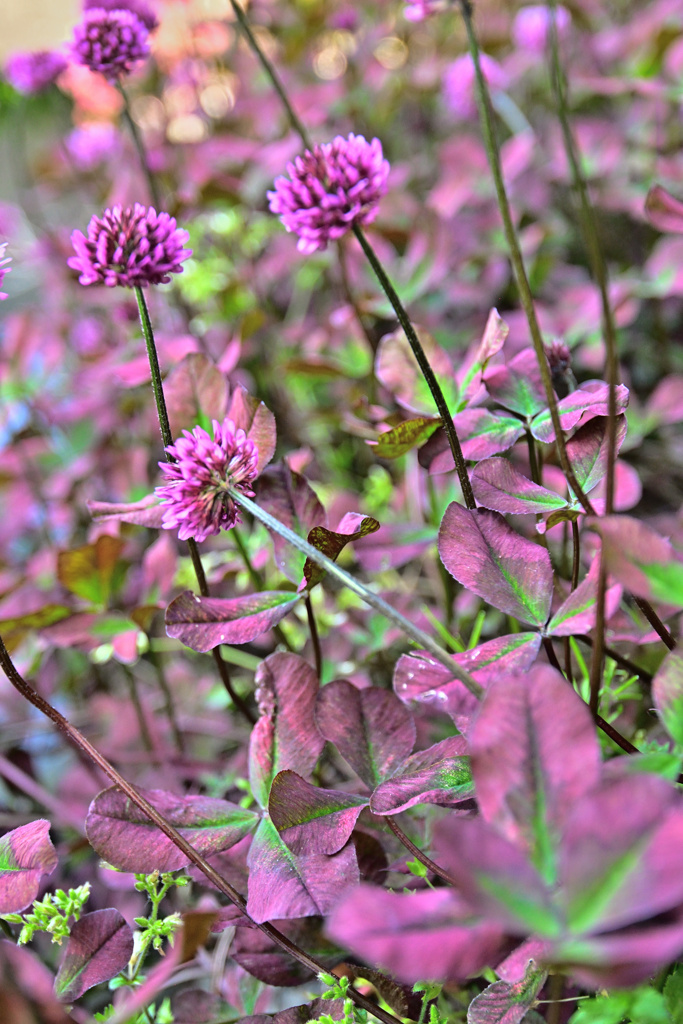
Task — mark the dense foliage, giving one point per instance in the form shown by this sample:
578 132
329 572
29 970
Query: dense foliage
340 664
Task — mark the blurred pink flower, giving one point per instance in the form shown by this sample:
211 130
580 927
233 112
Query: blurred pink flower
532 25
4 269
459 80
337 185
138 7
90 144
110 42
194 495
132 247
418 10
29 73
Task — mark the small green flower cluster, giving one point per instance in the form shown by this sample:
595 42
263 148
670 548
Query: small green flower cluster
52 914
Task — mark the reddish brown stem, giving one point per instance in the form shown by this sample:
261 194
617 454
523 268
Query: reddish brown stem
416 851
76 737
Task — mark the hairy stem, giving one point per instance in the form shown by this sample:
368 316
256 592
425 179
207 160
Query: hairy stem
416 851
367 595
76 737
167 438
516 258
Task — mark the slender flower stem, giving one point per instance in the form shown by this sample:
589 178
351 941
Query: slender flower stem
380 273
178 840
599 270
315 639
167 438
152 185
169 704
517 260
423 363
370 598
294 119
416 851
576 566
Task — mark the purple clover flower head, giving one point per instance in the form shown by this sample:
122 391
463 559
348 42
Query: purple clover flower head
531 27
459 83
337 185
559 359
30 73
110 42
4 269
138 7
194 493
419 10
134 247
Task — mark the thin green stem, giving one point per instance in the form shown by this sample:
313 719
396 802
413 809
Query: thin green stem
315 639
167 438
152 185
272 74
368 596
516 258
423 363
154 369
416 851
178 840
